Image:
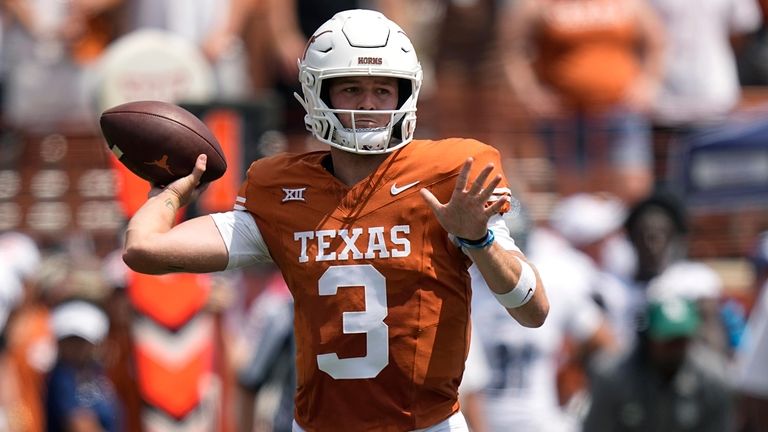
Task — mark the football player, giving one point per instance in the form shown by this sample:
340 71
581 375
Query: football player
380 239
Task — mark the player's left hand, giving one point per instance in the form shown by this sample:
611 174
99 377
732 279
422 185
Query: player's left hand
466 214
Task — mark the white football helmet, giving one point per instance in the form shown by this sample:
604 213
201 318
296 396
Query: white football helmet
359 43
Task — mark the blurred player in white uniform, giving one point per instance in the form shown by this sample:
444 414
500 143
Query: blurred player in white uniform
522 393
751 366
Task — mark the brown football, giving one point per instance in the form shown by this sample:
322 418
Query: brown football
160 141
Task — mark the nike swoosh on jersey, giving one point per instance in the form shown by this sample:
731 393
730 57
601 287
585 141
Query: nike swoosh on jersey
396 190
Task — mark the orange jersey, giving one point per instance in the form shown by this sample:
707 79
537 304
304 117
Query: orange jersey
382 295
587 50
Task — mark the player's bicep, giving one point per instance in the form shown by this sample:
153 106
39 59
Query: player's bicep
194 246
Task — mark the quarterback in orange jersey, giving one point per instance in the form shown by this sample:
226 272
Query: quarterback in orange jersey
381 239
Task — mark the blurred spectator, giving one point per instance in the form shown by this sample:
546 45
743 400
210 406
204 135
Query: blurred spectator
477 375
11 295
698 283
50 45
29 342
80 396
525 390
588 71
214 26
591 226
660 386
119 357
466 66
522 393
20 252
700 83
592 223
13 415
657 228
751 366
759 258
267 377
752 56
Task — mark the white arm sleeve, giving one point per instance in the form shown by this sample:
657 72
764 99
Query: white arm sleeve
244 242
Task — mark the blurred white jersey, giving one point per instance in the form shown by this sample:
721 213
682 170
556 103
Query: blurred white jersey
522 392
192 19
752 357
621 301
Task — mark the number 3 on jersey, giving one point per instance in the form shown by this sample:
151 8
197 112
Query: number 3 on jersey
369 321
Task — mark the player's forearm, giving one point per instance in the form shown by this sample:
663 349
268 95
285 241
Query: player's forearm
155 246
142 246
156 216
502 272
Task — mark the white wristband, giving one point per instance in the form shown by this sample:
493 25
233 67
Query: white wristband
523 291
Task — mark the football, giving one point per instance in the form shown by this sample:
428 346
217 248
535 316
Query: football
160 141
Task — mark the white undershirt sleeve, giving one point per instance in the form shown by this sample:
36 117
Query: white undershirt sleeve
503 238
242 237
501 232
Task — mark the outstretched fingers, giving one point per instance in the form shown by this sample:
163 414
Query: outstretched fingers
485 195
463 178
482 177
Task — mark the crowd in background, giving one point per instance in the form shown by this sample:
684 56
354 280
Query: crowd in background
643 334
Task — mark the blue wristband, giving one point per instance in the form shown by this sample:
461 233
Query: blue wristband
477 244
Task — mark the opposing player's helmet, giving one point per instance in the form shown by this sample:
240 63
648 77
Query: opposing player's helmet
359 43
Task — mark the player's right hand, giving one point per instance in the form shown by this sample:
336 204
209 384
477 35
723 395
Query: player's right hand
186 188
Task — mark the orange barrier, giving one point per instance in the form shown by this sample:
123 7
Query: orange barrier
226 125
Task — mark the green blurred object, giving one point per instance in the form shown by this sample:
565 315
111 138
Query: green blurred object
673 318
